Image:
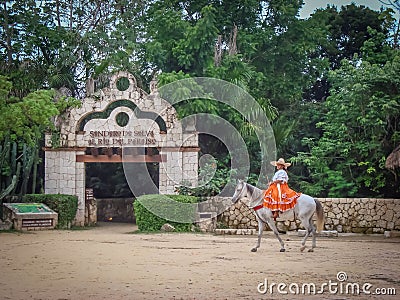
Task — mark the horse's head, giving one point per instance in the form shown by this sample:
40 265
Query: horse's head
240 191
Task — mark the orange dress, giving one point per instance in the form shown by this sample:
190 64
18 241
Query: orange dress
283 202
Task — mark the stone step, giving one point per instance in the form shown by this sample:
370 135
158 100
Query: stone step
323 233
248 231
231 231
391 234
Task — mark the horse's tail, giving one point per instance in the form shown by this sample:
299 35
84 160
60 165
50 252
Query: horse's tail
320 216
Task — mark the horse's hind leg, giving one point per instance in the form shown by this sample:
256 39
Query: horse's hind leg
303 242
314 236
309 229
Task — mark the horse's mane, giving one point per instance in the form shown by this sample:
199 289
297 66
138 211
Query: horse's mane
255 193
250 188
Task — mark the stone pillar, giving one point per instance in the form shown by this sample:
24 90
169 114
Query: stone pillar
170 172
60 172
190 167
80 191
63 175
181 166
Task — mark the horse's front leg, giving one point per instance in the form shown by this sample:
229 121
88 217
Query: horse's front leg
271 225
260 232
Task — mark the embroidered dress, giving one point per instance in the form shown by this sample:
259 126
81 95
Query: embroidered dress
284 199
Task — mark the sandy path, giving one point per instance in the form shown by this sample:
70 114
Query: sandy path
108 262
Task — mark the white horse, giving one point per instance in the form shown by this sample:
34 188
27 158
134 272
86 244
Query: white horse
303 210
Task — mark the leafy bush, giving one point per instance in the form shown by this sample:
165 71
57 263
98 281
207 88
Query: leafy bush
167 211
65 205
213 177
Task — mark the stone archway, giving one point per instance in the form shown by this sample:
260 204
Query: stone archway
115 119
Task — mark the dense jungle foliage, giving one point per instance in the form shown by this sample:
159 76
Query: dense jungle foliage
329 83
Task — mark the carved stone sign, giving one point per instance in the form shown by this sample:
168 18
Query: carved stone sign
119 138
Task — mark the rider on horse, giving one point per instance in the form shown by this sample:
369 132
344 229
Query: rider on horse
279 197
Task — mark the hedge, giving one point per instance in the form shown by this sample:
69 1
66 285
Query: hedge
167 211
65 205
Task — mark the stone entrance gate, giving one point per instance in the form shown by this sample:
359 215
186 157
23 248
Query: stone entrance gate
119 125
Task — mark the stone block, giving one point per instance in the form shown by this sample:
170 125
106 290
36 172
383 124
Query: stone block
331 215
388 216
381 223
245 220
5 225
359 229
336 210
392 234
167 228
377 230
368 218
390 225
362 211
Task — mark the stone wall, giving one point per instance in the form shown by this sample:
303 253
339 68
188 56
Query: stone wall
116 210
358 215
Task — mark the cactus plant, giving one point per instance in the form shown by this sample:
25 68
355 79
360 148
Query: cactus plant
15 172
12 186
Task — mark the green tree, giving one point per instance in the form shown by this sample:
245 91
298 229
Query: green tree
345 32
27 117
22 122
360 129
348 29
176 44
63 43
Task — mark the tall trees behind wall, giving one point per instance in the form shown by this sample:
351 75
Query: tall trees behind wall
329 84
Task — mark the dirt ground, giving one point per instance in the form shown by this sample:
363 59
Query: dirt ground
111 262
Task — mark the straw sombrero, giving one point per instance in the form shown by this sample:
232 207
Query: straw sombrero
280 161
